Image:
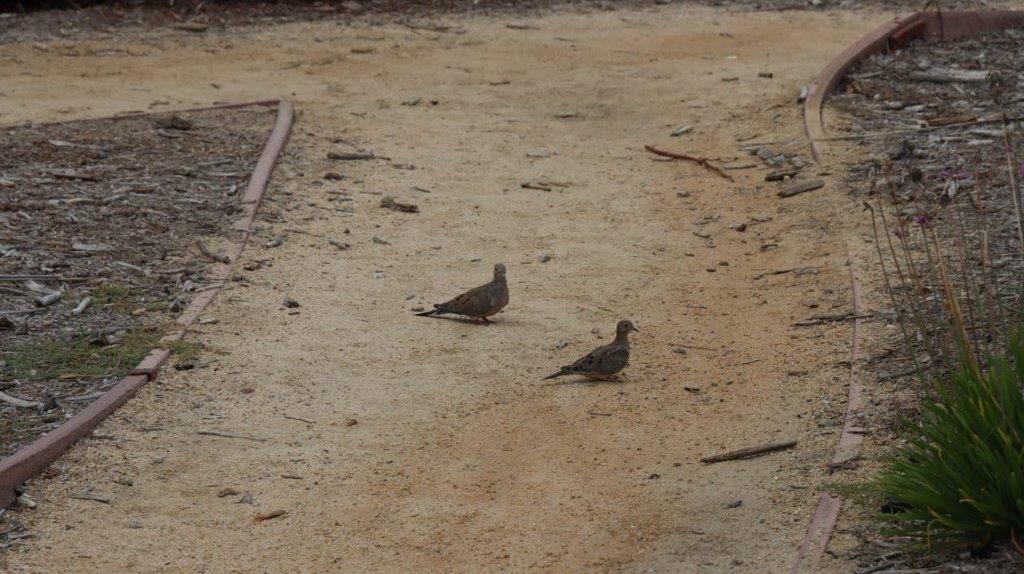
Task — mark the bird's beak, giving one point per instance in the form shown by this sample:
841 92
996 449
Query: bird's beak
635 329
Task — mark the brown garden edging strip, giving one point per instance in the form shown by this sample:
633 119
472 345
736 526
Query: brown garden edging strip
887 37
37 455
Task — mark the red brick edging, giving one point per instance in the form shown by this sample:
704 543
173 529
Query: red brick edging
32 458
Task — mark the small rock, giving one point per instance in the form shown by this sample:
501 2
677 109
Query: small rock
134 523
227 491
340 245
741 227
290 303
379 240
765 75
734 504
653 476
378 274
274 243
544 257
351 422
334 176
561 345
683 193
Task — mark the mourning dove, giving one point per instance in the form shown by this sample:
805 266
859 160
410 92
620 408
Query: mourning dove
479 302
605 361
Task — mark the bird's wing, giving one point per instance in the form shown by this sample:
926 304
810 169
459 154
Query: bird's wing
613 359
472 303
591 362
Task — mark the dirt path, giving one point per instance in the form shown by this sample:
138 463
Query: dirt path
459 458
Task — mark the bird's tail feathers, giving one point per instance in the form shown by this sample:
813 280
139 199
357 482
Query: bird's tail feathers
438 309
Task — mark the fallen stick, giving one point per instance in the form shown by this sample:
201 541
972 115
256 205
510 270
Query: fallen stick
798 270
299 419
701 161
211 255
228 435
802 187
80 308
89 496
822 319
25 277
268 515
352 156
20 403
749 452
694 347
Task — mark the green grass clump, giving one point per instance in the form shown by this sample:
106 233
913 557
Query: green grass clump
78 357
961 474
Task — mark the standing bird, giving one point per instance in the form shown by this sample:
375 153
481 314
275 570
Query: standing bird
479 302
605 361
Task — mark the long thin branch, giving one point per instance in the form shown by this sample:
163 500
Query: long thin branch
701 161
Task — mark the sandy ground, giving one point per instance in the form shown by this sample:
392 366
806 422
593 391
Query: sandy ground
459 458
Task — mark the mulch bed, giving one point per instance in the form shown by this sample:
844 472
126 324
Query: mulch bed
934 112
99 221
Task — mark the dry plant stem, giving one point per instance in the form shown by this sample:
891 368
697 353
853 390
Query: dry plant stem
956 319
995 310
919 321
996 313
946 343
935 275
969 281
908 341
932 271
1013 182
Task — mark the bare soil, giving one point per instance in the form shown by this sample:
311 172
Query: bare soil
391 441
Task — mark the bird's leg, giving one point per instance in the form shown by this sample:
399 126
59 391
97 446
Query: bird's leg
485 321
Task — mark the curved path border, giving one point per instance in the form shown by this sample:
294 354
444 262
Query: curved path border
32 458
887 37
